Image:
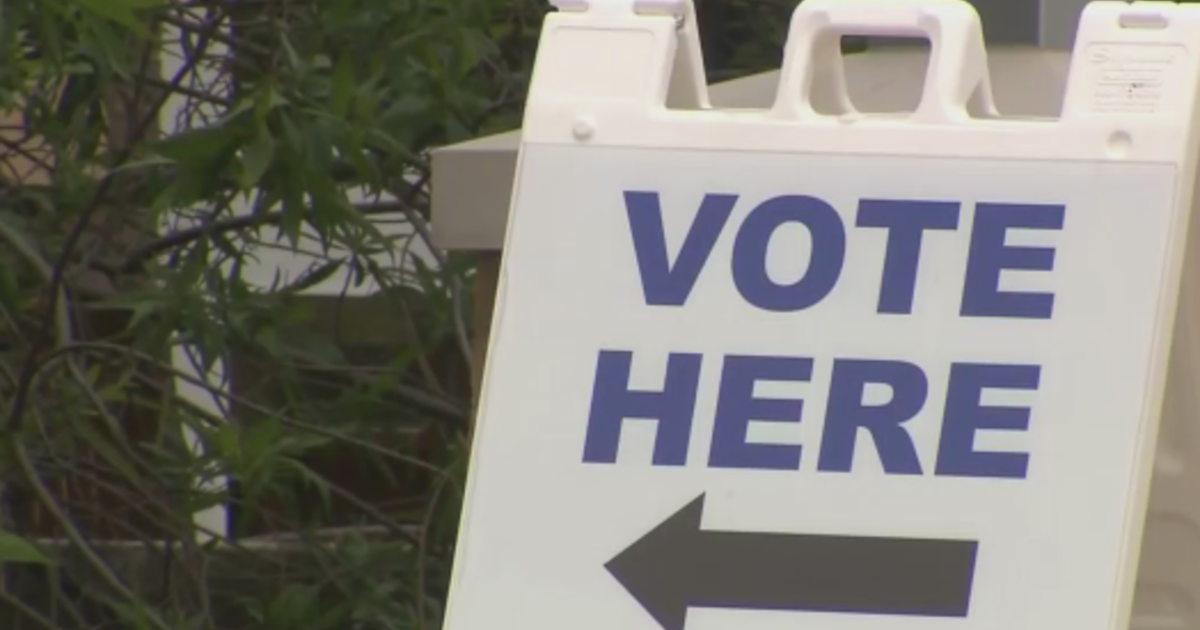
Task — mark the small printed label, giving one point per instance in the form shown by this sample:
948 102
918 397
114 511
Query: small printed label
1135 78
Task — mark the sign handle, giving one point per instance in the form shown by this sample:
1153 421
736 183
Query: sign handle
957 84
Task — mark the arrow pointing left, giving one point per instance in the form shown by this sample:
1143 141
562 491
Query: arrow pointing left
678 565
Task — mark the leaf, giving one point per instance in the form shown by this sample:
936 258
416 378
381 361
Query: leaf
256 157
204 498
149 162
194 148
297 605
343 87
294 212
141 305
314 480
106 42
50 36
203 156
17 550
290 51
10 290
134 616
315 349
292 184
262 439
312 277
266 101
329 207
223 444
101 444
119 11
236 112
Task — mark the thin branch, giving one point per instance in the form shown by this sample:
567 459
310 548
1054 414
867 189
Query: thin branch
421 227
422 358
168 520
183 90
423 551
21 151
434 403
10 320
24 609
316 430
237 44
392 526
72 532
63 326
42 337
249 404
234 224
61 322
62 602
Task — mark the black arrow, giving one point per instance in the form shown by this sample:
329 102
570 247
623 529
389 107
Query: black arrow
677 565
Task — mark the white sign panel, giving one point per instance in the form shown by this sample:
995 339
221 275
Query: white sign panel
903 393
736 386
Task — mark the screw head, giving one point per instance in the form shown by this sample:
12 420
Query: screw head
584 128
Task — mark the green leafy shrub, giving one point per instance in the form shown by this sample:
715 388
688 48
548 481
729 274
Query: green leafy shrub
155 157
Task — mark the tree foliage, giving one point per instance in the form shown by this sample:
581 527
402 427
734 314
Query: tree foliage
234 371
158 360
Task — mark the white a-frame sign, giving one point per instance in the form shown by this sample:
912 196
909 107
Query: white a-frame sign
805 367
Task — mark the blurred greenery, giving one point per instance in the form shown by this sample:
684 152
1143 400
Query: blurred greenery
157 159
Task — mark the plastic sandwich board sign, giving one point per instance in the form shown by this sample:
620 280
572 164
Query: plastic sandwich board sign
804 367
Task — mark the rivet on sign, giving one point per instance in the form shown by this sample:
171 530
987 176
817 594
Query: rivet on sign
585 128
1119 143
